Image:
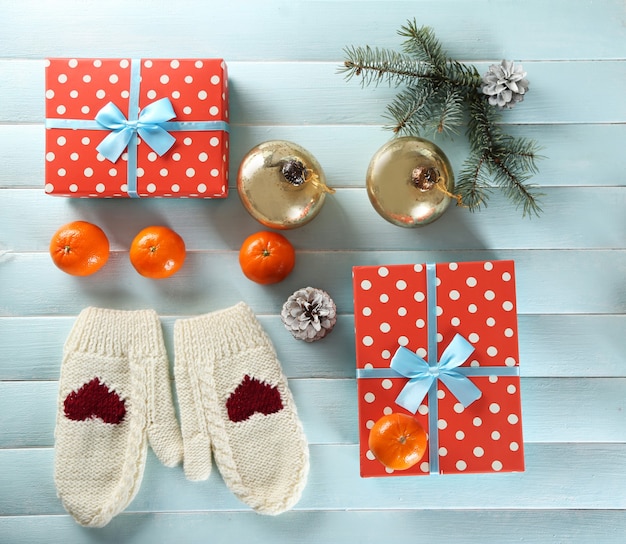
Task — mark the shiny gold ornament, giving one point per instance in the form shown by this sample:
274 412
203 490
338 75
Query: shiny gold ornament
281 184
410 181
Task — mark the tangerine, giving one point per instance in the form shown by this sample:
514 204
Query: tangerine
157 252
79 248
266 257
398 441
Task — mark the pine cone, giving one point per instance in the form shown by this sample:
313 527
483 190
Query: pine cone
505 84
309 314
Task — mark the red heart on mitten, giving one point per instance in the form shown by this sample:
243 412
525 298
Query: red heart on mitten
252 396
95 400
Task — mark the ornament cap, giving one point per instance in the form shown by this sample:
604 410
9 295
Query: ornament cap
425 178
294 171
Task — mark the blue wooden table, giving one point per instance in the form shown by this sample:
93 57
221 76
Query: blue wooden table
283 58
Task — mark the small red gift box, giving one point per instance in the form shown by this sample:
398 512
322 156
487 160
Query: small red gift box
137 127
467 397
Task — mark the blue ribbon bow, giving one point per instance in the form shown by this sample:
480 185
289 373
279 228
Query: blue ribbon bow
147 125
423 375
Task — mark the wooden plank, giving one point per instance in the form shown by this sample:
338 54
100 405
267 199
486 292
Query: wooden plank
291 93
40 360
363 526
568 222
548 281
571 151
313 30
552 411
550 346
557 476
572 345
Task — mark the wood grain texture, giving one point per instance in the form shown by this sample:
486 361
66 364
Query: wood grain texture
311 527
312 30
335 484
283 58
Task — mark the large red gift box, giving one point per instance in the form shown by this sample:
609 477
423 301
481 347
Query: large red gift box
467 398
137 128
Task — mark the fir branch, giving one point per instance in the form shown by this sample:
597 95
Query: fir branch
449 112
422 44
438 89
509 159
463 76
514 184
376 65
526 153
473 182
410 110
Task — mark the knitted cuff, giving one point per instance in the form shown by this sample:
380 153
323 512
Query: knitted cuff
221 334
114 333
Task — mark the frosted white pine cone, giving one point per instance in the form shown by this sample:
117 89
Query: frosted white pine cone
309 314
505 84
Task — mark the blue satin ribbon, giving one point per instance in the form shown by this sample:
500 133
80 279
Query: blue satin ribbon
152 124
423 376
148 125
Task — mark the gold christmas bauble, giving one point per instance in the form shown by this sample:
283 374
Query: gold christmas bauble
410 181
281 184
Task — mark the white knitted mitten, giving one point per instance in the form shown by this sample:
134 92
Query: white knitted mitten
114 396
233 395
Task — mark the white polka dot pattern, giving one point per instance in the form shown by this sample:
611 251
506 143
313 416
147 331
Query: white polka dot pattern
195 166
475 299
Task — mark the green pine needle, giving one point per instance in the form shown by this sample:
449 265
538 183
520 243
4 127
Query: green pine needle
410 111
422 44
449 112
438 92
377 65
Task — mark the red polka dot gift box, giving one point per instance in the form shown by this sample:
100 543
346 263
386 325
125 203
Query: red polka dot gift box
137 128
439 342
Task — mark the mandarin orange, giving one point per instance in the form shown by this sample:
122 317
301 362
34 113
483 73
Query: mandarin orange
266 257
157 252
79 248
398 441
